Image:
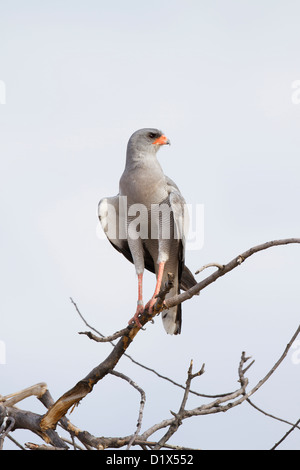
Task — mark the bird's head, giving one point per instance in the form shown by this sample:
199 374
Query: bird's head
147 140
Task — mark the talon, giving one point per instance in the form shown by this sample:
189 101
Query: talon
135 318
149 305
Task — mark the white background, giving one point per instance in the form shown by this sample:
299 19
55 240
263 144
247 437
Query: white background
216 77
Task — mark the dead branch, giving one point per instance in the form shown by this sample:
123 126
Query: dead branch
224 268
142 403
12 418
85 386
177 421
276 365
225 403
237 261
269 414
21 419
105 339
150 369
38 390
210 265
32 446
286 435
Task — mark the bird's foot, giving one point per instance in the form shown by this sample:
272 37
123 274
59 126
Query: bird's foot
135 318
149 305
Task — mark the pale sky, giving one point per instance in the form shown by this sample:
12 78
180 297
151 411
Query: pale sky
217 77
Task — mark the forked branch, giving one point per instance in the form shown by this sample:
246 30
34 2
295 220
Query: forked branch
85 386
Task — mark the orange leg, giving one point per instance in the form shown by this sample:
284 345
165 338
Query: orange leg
152 301
140 303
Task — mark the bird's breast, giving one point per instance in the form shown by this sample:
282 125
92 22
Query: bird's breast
143 188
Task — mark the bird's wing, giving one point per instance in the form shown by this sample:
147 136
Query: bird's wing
180 212
108 213
181 219
175 264
110 219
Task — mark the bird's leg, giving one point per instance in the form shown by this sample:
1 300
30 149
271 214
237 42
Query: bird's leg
140 303
152 301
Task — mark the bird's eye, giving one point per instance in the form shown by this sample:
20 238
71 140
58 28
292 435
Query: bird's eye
152 135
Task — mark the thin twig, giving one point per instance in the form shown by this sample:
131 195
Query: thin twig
235 262
286 435
72 442
84 320
210 265
150 369
15 442
105 339
142 403
269 414
13 398
85 386
222 404
241 371
5 428
272 370
177 421
32 446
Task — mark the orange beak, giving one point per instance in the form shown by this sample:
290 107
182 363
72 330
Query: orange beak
162 140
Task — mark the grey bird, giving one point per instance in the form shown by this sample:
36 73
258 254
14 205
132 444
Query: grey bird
146 222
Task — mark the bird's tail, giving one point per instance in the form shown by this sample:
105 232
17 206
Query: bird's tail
187 279
172 318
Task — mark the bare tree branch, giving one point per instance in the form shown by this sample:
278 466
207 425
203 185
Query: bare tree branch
223 404
28 420
142 404
286 435
32 446
237 261
210 265
85 386
177 421
12 418
99 338
276 365
269 414
38 390
105 339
